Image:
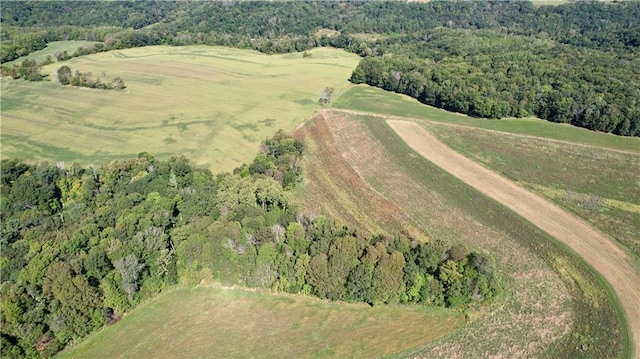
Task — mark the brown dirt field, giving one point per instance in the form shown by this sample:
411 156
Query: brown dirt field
596 249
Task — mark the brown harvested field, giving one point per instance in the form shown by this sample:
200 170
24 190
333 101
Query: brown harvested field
596 249
535 310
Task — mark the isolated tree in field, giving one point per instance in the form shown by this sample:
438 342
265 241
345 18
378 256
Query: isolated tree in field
325 97
64 75
118 84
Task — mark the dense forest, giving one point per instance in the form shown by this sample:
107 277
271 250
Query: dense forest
576 63
484 74
81 246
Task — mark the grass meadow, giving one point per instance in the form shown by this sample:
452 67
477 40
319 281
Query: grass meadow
553 304
212 104
235 323
370 99
52 47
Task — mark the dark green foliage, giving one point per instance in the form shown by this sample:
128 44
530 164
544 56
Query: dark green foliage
279 159
80 247
64 75
483 74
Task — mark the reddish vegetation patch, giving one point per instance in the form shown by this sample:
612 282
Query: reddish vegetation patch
532 315
334 188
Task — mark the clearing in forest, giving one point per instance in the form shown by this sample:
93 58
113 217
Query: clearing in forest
211 104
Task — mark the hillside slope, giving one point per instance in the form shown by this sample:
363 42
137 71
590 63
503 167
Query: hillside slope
613 263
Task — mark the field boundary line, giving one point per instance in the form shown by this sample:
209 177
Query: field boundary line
438 123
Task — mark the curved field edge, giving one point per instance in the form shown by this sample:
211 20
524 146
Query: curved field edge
374 100
600 328
237 323
596 184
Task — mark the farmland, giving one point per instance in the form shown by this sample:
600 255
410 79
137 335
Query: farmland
212 321
359 172
209 199
374 100
211 104
542 281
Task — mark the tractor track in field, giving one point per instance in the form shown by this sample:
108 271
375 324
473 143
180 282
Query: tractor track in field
595 248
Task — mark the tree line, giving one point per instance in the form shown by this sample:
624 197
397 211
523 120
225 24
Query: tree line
590 25
81 246
483 74
85 79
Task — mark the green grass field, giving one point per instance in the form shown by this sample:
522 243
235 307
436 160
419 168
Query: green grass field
597 184
211 104
233 323
598 328
50 50
371 99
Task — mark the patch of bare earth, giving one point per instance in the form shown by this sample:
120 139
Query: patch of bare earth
535 310
596 249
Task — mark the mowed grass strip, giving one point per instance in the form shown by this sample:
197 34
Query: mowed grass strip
211 104
599 185
370 99
599 328
554 305
216 322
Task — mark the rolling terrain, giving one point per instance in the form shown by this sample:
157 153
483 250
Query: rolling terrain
377 176
566 314
211 104
164 218
238 323
363 174
598 250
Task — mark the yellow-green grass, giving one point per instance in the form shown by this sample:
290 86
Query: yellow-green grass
211 104
51 49
208 322
549 2
370 99
597 184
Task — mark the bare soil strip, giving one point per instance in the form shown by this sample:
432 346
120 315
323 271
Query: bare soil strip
596 249
483 129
